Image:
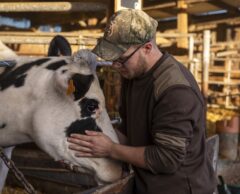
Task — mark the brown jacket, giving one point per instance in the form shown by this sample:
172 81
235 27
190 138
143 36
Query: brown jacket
164 111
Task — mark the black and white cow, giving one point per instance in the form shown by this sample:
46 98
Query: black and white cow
46 99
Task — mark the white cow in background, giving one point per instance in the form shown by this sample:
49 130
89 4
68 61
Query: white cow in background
46 99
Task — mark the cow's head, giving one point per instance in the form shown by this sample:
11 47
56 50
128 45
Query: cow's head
77 103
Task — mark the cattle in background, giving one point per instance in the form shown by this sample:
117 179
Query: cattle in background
46 99
59 46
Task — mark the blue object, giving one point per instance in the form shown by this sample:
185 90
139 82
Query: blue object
7 63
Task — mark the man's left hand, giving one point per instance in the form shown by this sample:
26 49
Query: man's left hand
93 144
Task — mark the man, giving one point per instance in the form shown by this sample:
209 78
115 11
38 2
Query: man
162 111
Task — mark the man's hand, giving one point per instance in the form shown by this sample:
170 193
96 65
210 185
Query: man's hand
94 144
97 144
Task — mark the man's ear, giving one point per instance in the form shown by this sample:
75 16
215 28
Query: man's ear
147 47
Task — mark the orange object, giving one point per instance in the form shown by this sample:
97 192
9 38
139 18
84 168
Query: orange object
71 87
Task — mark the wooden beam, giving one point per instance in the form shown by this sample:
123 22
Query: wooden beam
170 7
223 5
199 23
45 38
51 6
51 18
160 6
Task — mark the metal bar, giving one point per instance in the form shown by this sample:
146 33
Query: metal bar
51 6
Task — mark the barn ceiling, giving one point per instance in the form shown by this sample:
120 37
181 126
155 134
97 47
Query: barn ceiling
85 14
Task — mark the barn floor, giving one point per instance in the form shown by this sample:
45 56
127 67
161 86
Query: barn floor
12 190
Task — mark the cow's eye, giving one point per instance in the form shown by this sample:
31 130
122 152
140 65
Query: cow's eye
92 108
88 106
92 105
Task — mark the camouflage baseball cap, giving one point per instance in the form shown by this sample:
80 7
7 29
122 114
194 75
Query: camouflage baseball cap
126 27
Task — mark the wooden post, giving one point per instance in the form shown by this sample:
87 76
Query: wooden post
227 81
112 91
190 53
182 23
110 9
205 62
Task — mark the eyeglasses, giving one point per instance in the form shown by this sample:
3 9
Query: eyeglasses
121 61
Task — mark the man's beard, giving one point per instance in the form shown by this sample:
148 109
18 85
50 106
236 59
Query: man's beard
139 70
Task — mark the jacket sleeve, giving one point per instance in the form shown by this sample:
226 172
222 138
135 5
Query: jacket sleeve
175 115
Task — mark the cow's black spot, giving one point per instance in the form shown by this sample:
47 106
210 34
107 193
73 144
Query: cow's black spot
3 125
79 126
88 106
56 65
82 84
17 76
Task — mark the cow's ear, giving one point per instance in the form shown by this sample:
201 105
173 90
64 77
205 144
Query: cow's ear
81 84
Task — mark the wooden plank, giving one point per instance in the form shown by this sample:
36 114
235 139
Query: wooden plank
80 40
227 53
51 6
160 6
221 70
233 83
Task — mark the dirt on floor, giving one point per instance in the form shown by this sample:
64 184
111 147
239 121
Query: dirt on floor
11 190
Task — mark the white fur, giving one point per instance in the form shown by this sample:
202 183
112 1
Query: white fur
41 110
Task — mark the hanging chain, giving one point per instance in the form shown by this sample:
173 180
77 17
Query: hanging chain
18 174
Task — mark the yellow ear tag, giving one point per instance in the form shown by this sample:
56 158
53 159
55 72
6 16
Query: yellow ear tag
71 87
